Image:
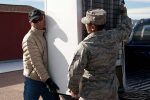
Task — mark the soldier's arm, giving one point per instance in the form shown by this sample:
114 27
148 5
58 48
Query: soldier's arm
123 30
76 69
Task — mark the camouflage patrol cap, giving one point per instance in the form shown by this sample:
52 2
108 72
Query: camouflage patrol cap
95 16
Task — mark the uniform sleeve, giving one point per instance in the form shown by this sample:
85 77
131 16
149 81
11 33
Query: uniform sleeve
35 58
76 69
123 30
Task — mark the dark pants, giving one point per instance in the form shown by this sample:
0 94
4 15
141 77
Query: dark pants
34 89
67 97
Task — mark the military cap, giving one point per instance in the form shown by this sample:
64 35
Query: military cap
95 16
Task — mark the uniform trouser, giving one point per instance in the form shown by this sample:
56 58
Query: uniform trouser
34 89
98 98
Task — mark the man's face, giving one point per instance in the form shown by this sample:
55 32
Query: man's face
41 23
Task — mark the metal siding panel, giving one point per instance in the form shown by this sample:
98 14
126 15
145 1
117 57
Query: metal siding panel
13 28
111 6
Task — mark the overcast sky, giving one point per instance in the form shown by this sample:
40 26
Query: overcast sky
35 3
137 9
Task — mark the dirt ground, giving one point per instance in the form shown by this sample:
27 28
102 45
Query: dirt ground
11 85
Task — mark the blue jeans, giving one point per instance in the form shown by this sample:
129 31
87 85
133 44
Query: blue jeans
34 89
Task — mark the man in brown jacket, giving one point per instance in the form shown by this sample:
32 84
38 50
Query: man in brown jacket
35 61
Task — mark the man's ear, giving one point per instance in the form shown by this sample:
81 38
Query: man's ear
30 22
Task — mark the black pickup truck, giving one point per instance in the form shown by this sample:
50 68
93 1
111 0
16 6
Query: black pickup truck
136 63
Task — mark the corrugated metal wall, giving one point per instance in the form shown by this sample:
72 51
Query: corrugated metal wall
13 27
111 7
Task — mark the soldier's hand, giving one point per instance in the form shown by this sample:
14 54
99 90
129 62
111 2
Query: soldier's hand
74 95
123 9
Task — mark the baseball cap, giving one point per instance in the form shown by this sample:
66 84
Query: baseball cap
35 15
95 16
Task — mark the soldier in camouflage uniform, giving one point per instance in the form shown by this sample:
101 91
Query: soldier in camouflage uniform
92 72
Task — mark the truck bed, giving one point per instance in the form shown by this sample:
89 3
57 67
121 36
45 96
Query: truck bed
137 72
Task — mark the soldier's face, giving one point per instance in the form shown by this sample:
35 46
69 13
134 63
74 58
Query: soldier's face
90 28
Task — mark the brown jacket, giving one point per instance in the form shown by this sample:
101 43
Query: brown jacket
35 55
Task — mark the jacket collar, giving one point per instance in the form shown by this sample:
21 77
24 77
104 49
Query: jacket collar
101 32
36 31
93 34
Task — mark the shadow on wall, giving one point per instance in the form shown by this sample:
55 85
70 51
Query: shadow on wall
58 65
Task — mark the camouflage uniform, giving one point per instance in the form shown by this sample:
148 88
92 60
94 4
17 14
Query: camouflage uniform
92 71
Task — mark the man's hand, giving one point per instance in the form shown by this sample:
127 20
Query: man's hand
52 86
